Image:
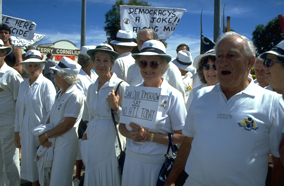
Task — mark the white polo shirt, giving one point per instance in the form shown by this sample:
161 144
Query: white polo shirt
187 84
232 139
10 81
170 117
121 65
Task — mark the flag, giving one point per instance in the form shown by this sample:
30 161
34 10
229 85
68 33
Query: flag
205 44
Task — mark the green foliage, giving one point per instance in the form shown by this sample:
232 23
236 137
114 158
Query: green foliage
112 20
266 37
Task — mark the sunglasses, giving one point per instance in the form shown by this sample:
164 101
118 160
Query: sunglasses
153 64
268 63
207 67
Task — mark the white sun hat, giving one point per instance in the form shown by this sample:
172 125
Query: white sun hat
183 60
84 49
33 56
153 48
2 47
67 65
198 58
277 50
102 47
124 38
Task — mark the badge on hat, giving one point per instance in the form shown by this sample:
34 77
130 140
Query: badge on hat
1 89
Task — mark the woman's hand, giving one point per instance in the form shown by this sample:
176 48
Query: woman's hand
113 100
43 140
17 140
84 137
138 133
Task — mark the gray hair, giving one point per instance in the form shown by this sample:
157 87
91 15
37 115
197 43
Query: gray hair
154 34
41 66
84 60
248 47
258 58
71 79
164 63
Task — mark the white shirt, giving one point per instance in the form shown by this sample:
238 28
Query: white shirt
192 94
228 148
169 118
41 96
121 65
172 76
187 83
83 85
10 81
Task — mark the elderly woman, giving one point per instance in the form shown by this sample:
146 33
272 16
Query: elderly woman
65 116
33 105
146 147
206 70
98 143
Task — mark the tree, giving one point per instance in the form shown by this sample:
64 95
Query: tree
113 17
266 37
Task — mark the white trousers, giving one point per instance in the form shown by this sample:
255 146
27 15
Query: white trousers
9 157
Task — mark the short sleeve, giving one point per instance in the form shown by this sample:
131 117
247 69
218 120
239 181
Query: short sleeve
177 112
74 105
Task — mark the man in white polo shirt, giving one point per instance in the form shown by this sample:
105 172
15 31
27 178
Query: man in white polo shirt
123 45
232 127
10 80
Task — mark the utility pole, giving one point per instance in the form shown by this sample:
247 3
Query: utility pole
0 11
83 23
217 19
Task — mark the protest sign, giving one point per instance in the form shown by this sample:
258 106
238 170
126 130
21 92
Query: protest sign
161 20
140 105
20 42
20 27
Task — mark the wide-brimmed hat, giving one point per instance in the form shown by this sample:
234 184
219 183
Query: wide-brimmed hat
183 60
7 48
124 38
67 65
103 47
33 56
277 50
84 49
198 58
153 48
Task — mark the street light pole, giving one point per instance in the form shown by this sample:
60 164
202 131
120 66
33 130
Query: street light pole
83 23
217 19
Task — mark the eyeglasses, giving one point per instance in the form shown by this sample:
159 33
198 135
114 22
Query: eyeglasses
153 64
207 67
268 63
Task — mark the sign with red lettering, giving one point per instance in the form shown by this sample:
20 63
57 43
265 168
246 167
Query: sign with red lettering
59 57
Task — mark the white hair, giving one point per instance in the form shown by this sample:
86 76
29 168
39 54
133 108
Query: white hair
248 47
41 66
256 59
71 79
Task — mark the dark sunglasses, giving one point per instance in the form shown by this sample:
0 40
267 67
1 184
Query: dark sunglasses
153 64
207 67
268 63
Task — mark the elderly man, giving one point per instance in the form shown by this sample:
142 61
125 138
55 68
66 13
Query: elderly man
172 75
10 81
260 73
231 127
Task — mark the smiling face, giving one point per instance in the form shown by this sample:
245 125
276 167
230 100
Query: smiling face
211 74
33 69
232 64
149 74
260 73
274 75
102 63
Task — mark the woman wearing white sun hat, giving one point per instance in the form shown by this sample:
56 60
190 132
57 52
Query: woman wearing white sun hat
145 148
33 106
65 115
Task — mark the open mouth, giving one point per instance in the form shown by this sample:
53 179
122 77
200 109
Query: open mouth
149 73
226 72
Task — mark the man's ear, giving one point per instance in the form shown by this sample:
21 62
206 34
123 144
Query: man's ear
251 62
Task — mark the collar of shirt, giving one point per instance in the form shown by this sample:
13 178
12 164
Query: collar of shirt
124 54
112 82
4 68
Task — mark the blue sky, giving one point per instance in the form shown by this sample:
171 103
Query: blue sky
61 19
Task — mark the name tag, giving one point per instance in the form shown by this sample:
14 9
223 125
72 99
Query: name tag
224 116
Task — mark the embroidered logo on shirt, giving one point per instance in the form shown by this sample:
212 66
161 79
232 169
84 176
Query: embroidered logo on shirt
188 88
248 124
1 89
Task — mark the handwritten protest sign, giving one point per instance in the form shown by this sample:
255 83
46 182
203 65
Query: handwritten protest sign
20 27
140 105
161 20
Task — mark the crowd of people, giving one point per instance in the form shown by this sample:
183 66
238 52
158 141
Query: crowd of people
227 125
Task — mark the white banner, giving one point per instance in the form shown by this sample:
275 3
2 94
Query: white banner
20 27
161 20
20 42
140 105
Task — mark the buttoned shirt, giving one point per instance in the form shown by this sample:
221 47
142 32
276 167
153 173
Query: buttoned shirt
121 65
